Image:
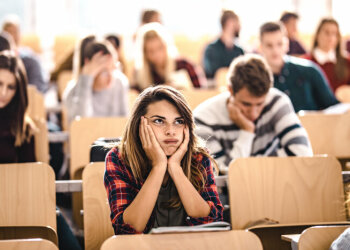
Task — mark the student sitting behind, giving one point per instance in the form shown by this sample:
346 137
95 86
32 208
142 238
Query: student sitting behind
159 175
157 62
100 89
16 128
327 52
252 119
300 79
221 52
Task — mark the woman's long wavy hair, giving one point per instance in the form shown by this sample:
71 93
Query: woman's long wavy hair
17 107
143 67
341 69
131 147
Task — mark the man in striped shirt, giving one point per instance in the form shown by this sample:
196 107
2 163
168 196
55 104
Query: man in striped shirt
252 118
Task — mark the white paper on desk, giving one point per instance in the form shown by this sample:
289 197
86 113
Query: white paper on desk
339 108
214 226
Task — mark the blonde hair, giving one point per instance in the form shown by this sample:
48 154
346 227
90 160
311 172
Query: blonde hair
131 147
147 32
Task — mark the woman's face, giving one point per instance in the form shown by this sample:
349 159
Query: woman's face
327 38
167 124
7 87
155 52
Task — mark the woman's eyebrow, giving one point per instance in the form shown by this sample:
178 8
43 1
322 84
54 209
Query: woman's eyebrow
158 116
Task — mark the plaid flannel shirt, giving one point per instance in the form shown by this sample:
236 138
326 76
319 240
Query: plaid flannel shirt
122 188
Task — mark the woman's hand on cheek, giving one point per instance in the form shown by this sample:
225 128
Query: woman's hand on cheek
175 160
151 146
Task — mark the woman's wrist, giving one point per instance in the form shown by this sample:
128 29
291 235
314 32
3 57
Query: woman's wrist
174 170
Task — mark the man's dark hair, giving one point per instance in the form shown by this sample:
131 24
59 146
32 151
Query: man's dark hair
286 16
271 27
226 15
252 72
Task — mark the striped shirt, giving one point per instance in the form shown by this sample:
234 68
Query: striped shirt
278 131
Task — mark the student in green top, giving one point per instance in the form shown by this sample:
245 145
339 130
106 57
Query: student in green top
302 80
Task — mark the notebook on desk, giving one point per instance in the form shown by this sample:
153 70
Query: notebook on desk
213 226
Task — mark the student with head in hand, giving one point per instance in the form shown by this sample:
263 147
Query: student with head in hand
252 118
16 128
157 61
99 87
328 54
159 175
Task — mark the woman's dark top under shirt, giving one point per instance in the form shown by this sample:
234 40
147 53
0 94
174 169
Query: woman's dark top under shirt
167 217
8 152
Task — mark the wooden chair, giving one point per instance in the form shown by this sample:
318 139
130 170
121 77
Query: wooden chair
221 78
194 97
41 141
27 244
133 94
63 45
343 93
27 199
62 81
320 238
36 105
83 132
295 192
328 133
237 239
32 41
97 222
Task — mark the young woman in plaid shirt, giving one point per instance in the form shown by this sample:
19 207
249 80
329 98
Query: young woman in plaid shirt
159 175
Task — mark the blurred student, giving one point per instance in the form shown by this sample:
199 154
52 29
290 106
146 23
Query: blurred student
31 62
300 79
16 128
290 22
157 62
252 118
327 52
159 175
99 88
221 52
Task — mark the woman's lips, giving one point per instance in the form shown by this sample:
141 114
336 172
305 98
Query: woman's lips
171 141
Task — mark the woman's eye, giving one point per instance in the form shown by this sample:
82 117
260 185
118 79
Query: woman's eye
12 87
179 122
158 121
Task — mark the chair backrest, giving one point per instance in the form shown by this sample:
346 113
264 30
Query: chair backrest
83 132
97 222
285 189
194 97
62 81
238 239
320 237
343 93
27 244
36 104
328 133
221 78
133 94
27 195
41 139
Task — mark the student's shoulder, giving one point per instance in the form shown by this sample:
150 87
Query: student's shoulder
212 107
114 159
276 97
302 65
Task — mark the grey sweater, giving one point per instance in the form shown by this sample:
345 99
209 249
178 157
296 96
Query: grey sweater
80 99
